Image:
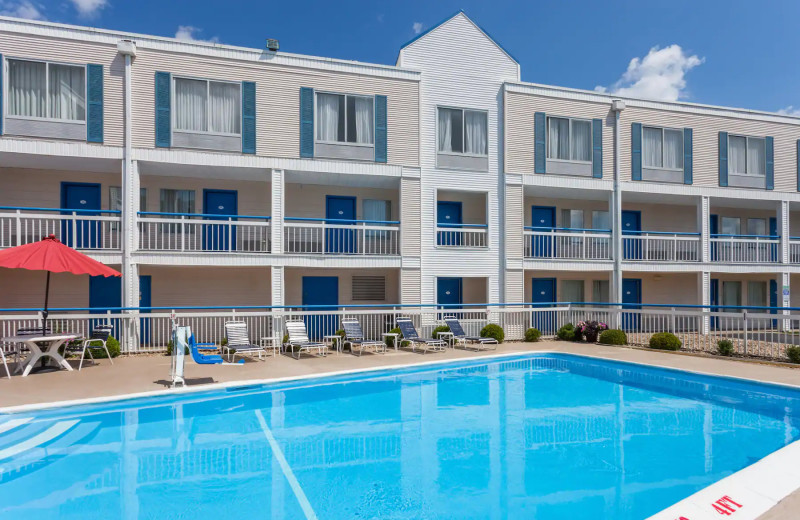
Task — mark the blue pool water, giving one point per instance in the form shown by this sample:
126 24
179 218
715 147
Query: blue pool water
544 436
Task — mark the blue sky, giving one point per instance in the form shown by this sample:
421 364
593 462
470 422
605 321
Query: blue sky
733 53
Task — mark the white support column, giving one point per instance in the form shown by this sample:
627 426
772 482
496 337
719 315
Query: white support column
704 227
615 210
278 210
784 298
704 287
783 231
278 299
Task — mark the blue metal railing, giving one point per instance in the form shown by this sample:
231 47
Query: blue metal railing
341 221
60 210
198 215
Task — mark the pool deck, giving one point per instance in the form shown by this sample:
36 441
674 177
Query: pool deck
150 373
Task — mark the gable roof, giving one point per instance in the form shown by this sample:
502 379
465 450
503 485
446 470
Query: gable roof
461 13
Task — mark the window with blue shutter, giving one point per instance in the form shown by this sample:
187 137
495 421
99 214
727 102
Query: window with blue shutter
539 148
723 159
306 122
94 103
248 117
770 145
163 109
597 148
381 149
636 151
687 156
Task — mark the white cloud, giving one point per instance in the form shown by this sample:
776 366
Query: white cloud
660 75
417 27
790 111
22 9
89 8
188 33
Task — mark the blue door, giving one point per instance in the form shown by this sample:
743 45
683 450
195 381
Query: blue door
105 293
713 299
449 294
220 237
543 218
631 226
321 291
631 299
340 211
448 215
713 225
543 290
84 234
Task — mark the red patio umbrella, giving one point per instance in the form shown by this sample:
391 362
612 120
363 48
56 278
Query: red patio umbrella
50 255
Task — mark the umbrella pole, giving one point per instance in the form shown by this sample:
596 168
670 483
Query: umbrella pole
45 312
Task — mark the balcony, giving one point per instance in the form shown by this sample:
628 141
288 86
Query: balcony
461 235
745 249
81 229
316 236
192 232
567 243
660 246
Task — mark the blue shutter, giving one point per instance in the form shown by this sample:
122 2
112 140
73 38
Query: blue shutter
770 164
723 159
687 156
597 148
539 149
380 129
163 109
94 103
1 96
306 122
248 117
636 151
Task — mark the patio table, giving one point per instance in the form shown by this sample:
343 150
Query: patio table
54 342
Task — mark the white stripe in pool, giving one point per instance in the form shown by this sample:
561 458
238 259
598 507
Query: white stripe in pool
13 423
47 435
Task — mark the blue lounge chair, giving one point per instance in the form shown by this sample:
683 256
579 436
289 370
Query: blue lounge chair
354 336
460 337
410 334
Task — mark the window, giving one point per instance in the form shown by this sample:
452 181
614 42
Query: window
115 198
462 131
208 106
377 211
731 226
572 218
46 90
747 155
601 220
600 291
757 226
569 139
572 291
757 294
731 294
369 288
345 118
662 148
177 201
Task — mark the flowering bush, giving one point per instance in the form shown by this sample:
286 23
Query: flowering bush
590 330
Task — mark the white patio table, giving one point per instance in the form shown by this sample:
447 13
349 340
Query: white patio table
54 342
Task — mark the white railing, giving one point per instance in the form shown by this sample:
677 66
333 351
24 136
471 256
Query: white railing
314 236
744 249
89 230
794 250
461 235
657 246
199 232
564 243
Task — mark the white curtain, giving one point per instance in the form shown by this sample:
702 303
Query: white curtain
731 294
673 149
177 201
225 108
757 226
26 88
191 105
571 291
475 136
737 154
652 152
67 92
601 220
364 120
756 157
558 138
757 294
445 130
328 119
731 226
581 141
600 291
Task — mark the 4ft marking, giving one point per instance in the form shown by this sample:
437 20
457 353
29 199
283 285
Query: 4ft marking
726 506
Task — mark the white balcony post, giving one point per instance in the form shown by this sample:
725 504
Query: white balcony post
231 246
783 232
784 299
278 187
18 223
704 225
183 232
704 287
74 231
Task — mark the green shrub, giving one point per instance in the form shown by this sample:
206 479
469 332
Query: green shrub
437 330
113 348
532 335
567 333
390 339
493 331
665 341
340 333
793 353
725 347
285 339
223 342
613 337
169 349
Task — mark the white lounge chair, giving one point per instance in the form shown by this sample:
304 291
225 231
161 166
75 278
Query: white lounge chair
239 341
299 342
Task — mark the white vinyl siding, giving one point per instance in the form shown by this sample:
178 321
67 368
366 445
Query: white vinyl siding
569 139
747 155
205 106
662 148
46 90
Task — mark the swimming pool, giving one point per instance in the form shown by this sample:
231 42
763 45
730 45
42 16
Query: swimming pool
549 436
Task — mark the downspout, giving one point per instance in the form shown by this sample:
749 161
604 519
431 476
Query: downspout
617 106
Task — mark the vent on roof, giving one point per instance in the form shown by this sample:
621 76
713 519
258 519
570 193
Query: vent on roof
272 45
369 288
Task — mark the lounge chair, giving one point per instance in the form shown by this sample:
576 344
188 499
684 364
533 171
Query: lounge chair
299 342
98 339
354 336
206 359
460 337
410 334
239 341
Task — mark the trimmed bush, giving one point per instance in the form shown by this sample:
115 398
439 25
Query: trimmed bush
793 353
437 330
169 349
567 333
665 341
613 337
340 333
390 339
725 347
532 335
113 349
493 331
